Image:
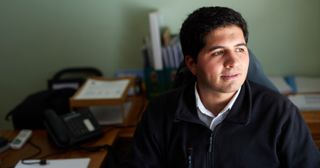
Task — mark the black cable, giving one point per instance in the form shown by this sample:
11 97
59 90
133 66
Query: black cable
39 150
36 147
43 161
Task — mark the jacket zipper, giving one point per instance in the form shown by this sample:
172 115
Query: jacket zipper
210 142
189 157
210 151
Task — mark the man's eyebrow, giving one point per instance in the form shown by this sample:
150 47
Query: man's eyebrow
214 48
241 44
218 47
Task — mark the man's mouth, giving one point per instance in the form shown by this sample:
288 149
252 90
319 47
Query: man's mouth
230 76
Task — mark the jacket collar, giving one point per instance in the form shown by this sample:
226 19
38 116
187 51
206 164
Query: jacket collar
239 113
241 110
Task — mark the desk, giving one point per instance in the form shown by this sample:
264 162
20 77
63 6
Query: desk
39 137
309 105
129 125
312 118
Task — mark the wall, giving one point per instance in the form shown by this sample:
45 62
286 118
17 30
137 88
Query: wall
39 37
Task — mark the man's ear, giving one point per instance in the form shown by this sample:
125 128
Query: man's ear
191 64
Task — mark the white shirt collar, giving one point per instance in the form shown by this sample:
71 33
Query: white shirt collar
205 111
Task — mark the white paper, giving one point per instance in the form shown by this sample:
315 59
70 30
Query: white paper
57 163
307 84
306 101
103 89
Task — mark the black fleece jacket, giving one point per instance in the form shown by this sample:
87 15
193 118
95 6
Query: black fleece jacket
263 129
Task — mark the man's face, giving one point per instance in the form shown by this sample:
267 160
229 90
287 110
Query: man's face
222 64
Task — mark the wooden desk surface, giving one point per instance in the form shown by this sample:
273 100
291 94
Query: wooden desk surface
10 157
312 118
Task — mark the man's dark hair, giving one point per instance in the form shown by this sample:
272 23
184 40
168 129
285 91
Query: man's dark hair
202 21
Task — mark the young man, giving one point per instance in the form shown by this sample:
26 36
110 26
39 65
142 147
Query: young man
222 120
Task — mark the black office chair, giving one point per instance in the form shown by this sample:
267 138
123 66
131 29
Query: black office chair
72 77
29 113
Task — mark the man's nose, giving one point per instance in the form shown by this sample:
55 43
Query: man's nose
231 59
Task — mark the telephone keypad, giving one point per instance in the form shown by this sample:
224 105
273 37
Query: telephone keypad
78 126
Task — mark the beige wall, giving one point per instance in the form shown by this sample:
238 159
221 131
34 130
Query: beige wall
39 37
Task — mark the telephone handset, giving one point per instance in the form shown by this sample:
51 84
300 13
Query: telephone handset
72 128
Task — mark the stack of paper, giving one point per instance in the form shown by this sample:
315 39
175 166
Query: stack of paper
102 89
307 84
306 101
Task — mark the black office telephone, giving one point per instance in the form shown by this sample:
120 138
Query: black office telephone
72 128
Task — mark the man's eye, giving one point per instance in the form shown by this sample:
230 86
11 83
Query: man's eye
240 50
217 53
